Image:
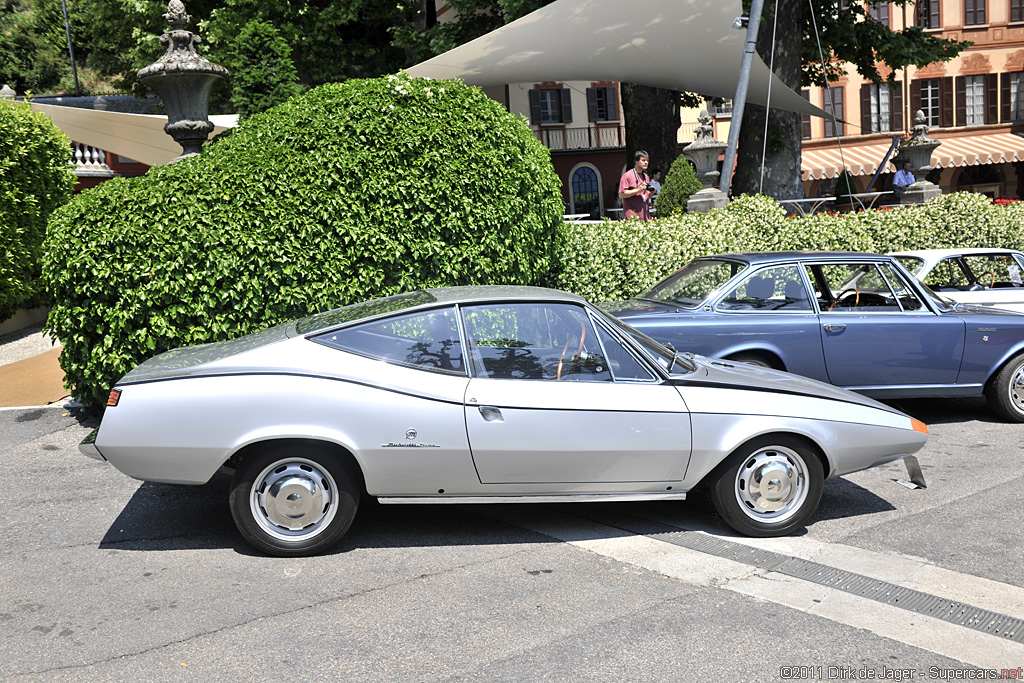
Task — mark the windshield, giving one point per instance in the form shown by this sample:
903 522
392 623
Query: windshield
913 264
661 354
695 283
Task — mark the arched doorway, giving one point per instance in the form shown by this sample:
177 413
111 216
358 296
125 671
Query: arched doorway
586 191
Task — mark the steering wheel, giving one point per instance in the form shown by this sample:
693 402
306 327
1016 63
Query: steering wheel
576 357
838 299
992 279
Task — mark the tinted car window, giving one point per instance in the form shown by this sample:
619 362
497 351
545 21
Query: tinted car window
427 340
771 289
534 341
365 309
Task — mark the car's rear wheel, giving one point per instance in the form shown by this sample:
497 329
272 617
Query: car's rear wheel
768 487
293 501
1005 393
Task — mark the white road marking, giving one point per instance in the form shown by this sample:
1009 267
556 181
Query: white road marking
701 569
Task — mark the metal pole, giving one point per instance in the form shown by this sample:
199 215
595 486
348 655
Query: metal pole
71 52
725 182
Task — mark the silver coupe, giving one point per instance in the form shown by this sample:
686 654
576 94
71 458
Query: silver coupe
483 395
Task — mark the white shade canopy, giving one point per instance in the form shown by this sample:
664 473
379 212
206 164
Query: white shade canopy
687 45
140 137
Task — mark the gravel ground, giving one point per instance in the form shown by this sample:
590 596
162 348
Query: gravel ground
24 343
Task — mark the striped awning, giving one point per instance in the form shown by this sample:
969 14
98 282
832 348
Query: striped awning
967 150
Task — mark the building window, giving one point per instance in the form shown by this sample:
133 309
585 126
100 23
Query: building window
1016 97
881 108
1016 10
879 12
931 101
602 104
805 119
833 105
586 192
928 14
974 12
720 107
550 105
974 91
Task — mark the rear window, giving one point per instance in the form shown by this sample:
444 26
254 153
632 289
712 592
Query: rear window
366 309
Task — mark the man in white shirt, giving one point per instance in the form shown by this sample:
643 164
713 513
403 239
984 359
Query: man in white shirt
903 178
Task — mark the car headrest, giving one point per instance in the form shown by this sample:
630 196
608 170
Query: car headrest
761 287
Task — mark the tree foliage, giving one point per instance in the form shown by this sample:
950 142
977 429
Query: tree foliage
35 178
263 74
680 184
345 193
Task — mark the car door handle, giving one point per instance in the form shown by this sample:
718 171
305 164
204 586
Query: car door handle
834 327
491 414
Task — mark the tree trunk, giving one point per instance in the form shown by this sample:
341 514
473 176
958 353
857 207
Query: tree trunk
652 124
781 155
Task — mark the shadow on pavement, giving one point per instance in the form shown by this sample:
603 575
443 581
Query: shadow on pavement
170 517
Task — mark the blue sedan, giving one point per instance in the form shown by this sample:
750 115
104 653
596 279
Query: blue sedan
859 321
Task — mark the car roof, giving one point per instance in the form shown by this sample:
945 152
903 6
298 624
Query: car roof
943 253
479 293
757 257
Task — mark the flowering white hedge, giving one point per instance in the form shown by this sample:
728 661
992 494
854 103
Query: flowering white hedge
618 260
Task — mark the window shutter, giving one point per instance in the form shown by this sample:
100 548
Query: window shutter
592 114
968 12
961 101
566 105
535 107
946 97
915 99
865 109
979 11
896 108
991 98
1015 10
837 97
612 99
933 14
1005 112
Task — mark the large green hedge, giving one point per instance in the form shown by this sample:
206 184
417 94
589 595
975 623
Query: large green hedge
617 260
347 192
35 178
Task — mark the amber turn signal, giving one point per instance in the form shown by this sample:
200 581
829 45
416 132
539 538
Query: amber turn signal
115 396
919 426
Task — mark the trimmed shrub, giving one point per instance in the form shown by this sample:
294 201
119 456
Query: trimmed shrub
617 260
35 178
348 192
680 184
262 72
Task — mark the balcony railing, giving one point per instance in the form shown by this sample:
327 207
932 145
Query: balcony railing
590 137
89 161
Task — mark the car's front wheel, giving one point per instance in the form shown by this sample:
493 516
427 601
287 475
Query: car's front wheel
768 487
292 502
1005 393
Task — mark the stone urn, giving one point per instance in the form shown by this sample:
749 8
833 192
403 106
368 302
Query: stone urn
704 153
183 81
918 150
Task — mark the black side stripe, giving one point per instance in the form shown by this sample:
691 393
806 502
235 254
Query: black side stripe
697 384
290 374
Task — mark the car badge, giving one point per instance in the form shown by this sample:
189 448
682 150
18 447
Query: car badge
410 434
985 338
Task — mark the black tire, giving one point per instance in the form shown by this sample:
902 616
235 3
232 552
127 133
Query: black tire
754 359
293 501
795 481
1005 393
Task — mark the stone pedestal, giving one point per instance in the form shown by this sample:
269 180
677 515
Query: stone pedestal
918 151
704 153
183 81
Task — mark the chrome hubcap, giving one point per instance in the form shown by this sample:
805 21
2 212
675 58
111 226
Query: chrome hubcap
1017 388
293 498
771 485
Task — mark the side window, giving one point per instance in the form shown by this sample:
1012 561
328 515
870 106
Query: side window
771 289
904 295
852 288
534 341
427 341
946 275
995 270
624 367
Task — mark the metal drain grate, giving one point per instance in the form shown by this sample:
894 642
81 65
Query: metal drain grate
950 611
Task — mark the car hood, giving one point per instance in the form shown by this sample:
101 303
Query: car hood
714 372
186 360
632 308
